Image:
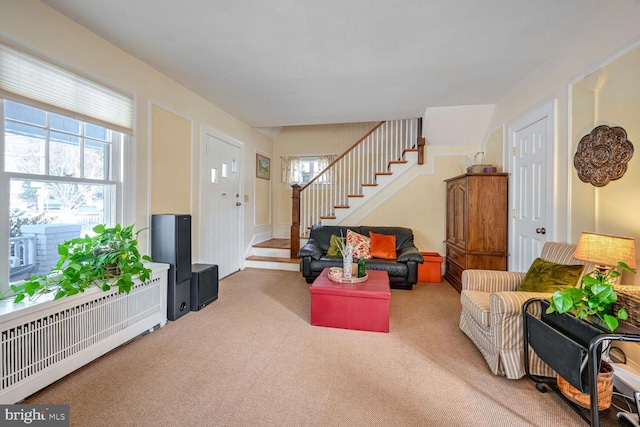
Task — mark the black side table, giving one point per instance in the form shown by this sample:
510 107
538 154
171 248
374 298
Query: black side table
560 348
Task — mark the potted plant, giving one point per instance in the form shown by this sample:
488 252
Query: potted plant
594 297
110 258
592 300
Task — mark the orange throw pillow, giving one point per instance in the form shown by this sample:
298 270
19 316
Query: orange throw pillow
383 246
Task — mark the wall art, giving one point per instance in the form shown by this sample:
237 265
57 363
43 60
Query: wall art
602 155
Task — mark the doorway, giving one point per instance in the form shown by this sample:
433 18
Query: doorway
222 211
531 141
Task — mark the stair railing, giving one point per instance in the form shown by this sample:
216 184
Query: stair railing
359 166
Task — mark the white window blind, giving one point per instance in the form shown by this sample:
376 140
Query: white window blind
35 79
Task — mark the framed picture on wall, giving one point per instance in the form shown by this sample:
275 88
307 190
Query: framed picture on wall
263 167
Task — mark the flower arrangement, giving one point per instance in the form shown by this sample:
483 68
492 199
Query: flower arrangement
347 250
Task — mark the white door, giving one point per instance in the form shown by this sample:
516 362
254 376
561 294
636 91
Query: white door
221 166
531 195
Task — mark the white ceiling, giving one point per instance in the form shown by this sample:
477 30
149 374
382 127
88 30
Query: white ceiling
293 62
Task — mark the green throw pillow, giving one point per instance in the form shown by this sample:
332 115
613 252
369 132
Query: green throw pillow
546 276
334 251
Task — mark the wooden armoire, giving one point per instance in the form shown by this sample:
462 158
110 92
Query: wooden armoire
476 224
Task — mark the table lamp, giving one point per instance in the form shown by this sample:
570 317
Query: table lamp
606 251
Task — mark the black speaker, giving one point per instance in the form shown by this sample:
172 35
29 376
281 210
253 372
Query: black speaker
171 244
204 285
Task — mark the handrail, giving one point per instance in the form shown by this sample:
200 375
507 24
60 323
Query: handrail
342 155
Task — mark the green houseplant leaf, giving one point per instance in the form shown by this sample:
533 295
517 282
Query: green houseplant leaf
109 258
594 296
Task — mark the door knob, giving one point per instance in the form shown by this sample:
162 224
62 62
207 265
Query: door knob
541 230
238 204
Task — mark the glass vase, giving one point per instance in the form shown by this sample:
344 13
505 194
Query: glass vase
346 267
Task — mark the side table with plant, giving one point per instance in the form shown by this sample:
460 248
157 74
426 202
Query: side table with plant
592 300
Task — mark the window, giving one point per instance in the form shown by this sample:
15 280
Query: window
301 170
63 150
60 170
309 169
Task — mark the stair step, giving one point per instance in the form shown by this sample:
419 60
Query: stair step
355 195
273 263
384 173
341 207
273 259
369 185
397 162
274 243
328 217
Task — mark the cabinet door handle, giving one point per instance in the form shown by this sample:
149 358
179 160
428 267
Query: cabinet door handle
541 230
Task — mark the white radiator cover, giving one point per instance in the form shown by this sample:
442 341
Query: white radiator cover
42 341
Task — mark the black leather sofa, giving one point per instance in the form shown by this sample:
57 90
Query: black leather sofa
403 271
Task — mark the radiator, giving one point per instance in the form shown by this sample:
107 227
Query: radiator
42 341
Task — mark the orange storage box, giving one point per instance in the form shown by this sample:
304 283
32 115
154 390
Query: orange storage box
431 270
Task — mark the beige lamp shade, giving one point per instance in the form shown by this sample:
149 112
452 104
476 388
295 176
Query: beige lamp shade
605 250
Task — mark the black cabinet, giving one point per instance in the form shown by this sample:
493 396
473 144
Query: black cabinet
204 285
171 244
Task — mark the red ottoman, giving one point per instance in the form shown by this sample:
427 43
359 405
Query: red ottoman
362 306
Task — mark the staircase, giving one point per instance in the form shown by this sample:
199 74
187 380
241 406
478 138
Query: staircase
354 178
380 156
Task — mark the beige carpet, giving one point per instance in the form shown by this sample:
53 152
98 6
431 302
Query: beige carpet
252 359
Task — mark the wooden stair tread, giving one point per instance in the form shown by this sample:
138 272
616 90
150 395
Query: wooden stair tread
369 185
328 217
355 195
341 207
384 173
273 259
274 244
398 162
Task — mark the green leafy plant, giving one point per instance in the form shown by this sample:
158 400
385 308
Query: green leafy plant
595 296
110 258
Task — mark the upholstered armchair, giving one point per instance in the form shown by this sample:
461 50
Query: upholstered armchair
492 313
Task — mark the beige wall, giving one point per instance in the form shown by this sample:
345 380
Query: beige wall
263 196
579 206
420 206
493 150
613 208
170 162
572 59
32 25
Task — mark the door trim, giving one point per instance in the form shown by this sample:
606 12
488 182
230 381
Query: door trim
549 112
204 130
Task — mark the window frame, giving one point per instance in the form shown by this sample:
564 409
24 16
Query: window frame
122 160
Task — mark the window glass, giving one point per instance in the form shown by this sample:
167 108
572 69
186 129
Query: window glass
64 155
25 113
310 167
74 191
64 123
96 132
96 156
24 148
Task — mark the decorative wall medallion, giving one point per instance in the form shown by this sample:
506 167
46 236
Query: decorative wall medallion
602 156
